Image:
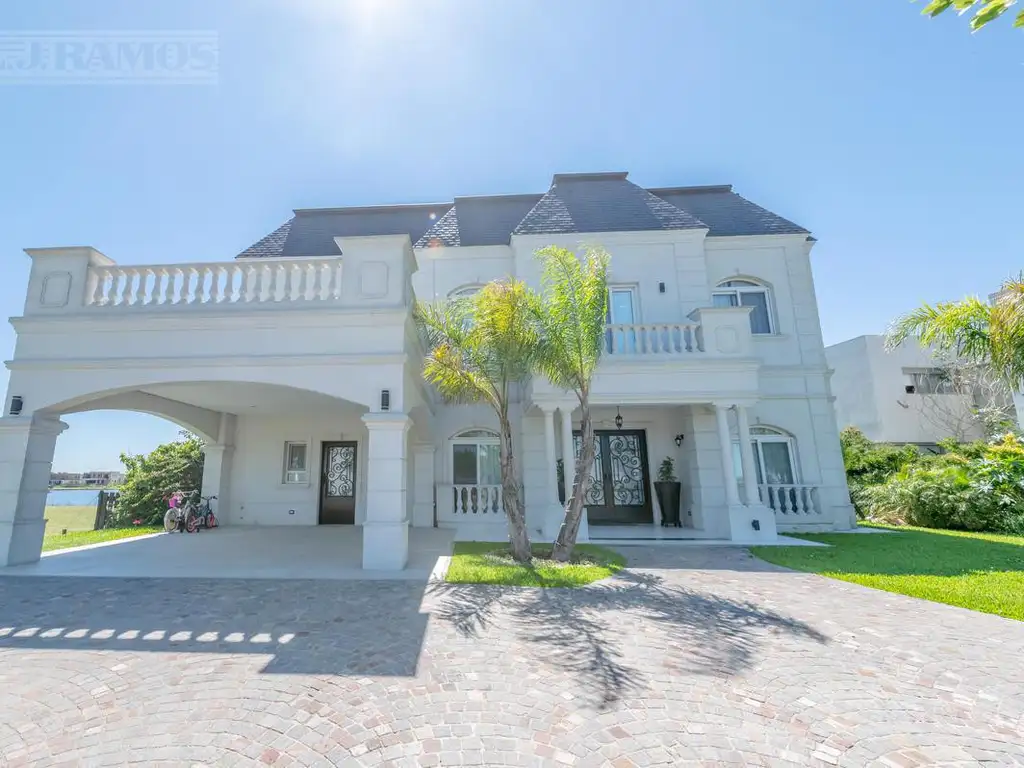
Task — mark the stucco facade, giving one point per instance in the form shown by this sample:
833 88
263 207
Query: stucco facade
714 359
879 391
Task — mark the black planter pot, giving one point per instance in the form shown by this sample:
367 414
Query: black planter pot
668 500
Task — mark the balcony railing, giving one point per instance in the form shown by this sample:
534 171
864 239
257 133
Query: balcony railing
652 339
791 500
268 281
470 503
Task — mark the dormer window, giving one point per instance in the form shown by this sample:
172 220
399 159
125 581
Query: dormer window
747 293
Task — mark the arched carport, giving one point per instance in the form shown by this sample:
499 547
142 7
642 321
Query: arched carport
246 417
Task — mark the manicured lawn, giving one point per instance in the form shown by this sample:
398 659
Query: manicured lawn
480 562
981 571
72 518
80 538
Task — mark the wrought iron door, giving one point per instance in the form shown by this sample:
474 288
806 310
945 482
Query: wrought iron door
338 484
619 490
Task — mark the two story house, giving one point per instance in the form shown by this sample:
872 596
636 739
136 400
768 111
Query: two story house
299 365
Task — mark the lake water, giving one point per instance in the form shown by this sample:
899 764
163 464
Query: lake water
72 498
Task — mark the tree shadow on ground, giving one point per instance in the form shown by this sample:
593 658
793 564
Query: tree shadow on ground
598 633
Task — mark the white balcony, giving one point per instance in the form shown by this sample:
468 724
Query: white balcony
792 503
217 284
652 339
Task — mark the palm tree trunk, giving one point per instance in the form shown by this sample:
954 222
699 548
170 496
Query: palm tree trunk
566 540
511 497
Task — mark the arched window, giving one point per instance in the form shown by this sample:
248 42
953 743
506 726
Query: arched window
463 291
475 458
774 456
747 293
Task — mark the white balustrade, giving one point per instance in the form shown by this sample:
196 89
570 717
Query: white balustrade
789 500
651 339
267 281
481 500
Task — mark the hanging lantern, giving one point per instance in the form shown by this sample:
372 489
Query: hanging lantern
618 418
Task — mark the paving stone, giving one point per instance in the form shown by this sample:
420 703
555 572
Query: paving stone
688 657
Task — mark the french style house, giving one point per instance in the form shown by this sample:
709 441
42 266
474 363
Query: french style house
298 363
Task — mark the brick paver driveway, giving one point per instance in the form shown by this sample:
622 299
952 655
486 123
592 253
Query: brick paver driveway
690 656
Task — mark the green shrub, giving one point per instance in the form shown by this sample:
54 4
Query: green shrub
869 464
977 487
152 478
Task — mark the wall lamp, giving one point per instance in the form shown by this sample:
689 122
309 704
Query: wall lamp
679 441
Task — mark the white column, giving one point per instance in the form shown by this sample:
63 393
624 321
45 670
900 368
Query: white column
732 494
423 486
217 461
26 457
747 457
551 470
568 453
386 528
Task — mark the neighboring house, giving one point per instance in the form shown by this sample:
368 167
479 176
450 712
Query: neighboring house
898 396
102 478
65 478
299 365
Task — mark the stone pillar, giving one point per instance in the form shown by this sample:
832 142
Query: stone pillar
569 468
747 457
217 461
423 486
26 457
386 528
732 494
550 467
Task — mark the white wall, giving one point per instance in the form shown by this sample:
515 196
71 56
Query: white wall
870 389
258 494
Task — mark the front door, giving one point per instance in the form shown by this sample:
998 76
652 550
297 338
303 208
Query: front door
618 492
338 484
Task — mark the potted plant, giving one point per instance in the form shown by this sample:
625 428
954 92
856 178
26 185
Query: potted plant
668 489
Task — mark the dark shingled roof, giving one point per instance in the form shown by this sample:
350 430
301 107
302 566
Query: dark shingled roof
601 202
576 202
479 221
726 213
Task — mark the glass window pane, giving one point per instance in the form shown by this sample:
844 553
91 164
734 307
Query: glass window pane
464 464
757 461
490 464
296 457
776 463
737 462
724 300
759 322
620 307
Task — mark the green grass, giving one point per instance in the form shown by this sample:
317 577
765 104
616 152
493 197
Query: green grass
481 562
980 571
72 518
80 538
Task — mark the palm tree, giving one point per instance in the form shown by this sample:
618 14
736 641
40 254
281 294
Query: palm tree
479 348
972 329
571 316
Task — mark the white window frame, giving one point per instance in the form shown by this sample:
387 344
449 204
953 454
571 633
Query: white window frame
294 476
464 291
634 298
754 286
945 384
464 438
770 435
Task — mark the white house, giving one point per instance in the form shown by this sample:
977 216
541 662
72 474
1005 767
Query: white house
904 395
299 365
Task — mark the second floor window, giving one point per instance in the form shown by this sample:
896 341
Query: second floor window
934 381
747 293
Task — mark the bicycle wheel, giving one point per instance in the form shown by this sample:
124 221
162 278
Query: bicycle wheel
211 521
170 520
191 524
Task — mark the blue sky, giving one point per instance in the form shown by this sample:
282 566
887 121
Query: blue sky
894 138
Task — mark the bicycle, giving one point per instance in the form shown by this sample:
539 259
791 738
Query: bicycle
185 516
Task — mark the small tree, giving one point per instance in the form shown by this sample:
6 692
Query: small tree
152 477
571 316
972 330
478 349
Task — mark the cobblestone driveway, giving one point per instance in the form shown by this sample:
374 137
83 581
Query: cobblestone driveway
691 656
